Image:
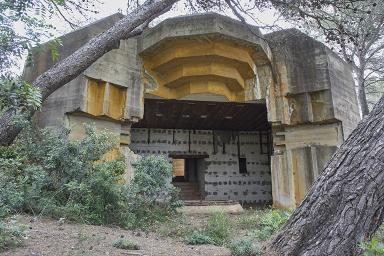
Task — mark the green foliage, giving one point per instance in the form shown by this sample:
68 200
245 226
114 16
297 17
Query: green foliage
243 247
219 228
217 231
18 95
126 244
198 237
376 245
249 220
48 174
270 222
372 248
34 15
11 235
151 196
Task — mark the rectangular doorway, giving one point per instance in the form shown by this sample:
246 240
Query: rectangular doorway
186 178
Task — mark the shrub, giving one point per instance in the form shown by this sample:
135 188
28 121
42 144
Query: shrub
372 248
219 228
48 174
270 223
151 196
243 247
11 235
198 238
126 244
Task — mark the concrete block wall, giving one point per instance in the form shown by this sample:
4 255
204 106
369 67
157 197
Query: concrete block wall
222 180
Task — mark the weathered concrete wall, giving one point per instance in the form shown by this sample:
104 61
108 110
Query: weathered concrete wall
222 180
345 107
312 107
42 58
120 67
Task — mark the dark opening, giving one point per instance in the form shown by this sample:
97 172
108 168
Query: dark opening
242 165
204 115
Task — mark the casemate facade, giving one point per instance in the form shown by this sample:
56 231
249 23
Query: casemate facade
240 115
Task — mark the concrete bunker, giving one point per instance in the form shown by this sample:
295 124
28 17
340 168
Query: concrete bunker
186 63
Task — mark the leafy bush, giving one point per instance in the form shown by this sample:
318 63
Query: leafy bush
126 244
372 248
219 228
18 95
243 247
11 235
198 238
151 195
48 174
270 222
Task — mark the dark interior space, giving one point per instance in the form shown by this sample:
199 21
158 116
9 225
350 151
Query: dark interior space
203 115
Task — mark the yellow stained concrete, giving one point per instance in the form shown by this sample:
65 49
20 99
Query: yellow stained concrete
95 97
117 98
208 70
191 66
199 87
105 99
188 49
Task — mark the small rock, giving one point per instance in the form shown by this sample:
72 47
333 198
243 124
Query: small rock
91 247
61 221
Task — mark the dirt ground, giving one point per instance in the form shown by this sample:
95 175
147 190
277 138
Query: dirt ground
46 237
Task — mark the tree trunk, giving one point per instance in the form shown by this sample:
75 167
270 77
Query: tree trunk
361 93
72 66
345 205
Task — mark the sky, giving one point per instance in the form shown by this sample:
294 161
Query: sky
109 7
106 8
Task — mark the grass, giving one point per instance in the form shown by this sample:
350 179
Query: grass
241 233
125 244
270 222
219 228
11 235
243 247
175 227
198 237
248 220
374 247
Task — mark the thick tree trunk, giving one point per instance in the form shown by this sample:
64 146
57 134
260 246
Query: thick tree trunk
72 66
345 205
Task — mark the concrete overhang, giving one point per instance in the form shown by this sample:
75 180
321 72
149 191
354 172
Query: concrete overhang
205 27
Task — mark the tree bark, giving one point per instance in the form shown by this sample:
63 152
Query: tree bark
362 97
72 66
345 205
